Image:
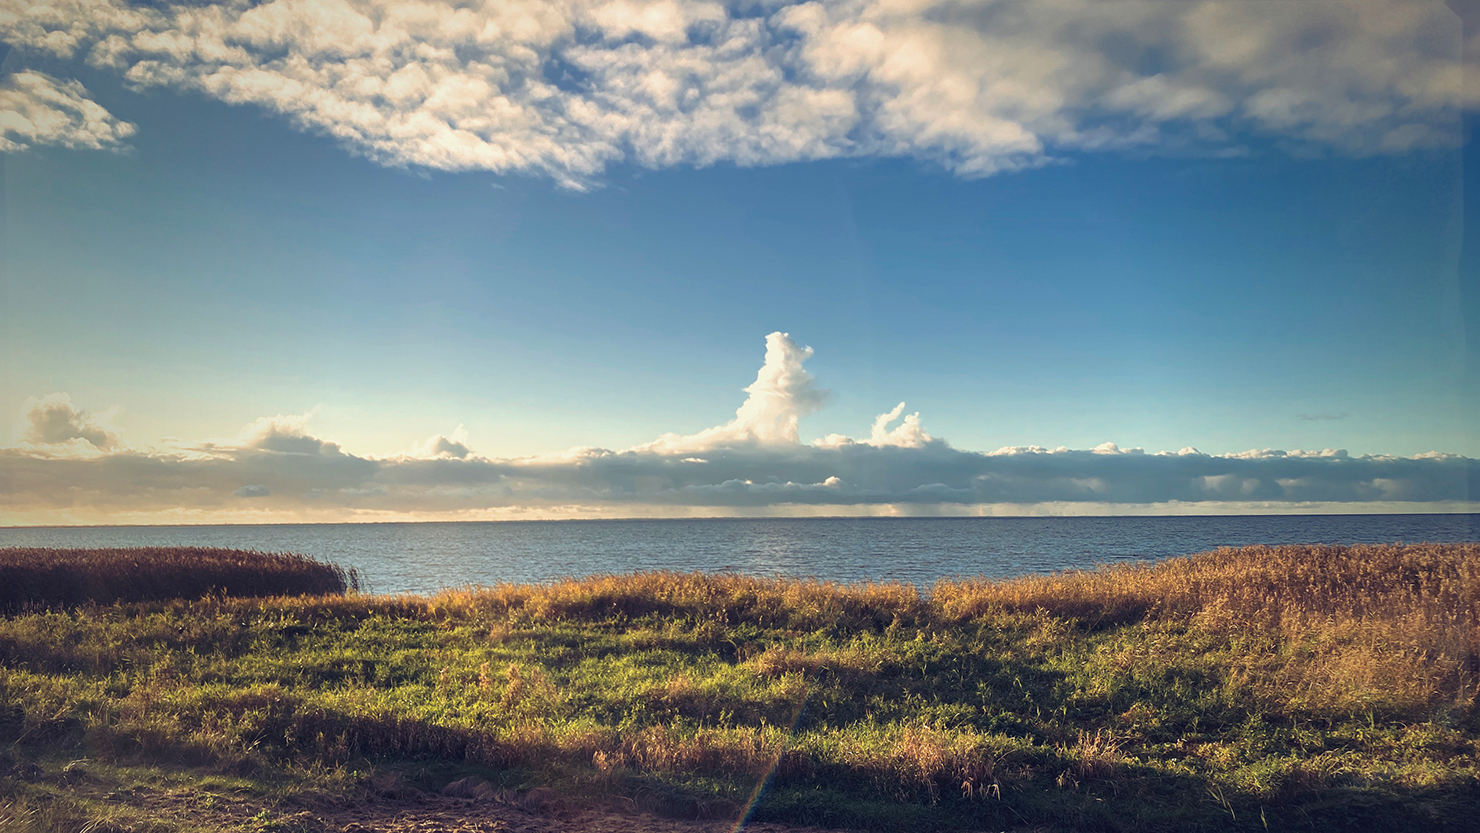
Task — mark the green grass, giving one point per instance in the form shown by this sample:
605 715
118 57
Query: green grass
983 706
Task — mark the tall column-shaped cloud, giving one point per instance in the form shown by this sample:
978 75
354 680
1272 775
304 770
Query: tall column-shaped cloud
783 392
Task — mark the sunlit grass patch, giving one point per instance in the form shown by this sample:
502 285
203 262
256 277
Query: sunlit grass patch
1393 628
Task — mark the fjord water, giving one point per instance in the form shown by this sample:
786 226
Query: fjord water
426 557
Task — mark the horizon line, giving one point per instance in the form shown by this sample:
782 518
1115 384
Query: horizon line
750 518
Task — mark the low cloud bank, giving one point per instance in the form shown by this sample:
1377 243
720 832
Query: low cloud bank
68 464
54 425
564 89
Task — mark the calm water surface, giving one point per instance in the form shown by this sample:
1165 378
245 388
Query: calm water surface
425 557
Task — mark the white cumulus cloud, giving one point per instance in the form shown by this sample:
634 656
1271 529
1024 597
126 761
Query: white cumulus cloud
36 109
909 433
783 392
567 88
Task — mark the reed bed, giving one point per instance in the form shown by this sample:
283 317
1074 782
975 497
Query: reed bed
41 577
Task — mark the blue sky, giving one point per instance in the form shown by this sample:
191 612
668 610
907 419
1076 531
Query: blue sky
1229 283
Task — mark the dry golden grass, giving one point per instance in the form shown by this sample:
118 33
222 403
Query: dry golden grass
902 759
1096 755
778 660
1271 584
1392 626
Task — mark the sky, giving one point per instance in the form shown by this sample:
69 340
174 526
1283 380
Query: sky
328 260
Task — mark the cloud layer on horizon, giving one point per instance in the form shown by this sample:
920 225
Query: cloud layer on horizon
567 88
69 464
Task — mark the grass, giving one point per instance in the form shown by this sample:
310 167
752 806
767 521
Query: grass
1259 688
35 577
1391 628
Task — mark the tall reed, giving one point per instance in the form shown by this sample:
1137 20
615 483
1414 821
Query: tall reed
43 577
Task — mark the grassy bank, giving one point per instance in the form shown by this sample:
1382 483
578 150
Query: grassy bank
1278 688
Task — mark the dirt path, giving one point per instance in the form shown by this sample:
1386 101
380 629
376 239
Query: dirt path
390 804
443 815
477 809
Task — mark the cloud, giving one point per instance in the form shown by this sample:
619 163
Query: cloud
36 109
286 434
909 433
51 423
567 88
782 393
440 446
755 463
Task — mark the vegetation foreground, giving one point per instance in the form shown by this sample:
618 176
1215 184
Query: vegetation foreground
1256 688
